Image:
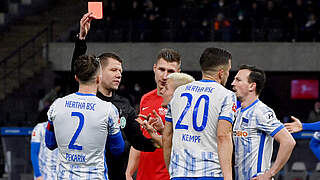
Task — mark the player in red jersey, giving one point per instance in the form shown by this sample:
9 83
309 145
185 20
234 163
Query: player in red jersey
151 164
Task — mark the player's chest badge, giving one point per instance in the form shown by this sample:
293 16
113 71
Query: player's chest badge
162 111
123 122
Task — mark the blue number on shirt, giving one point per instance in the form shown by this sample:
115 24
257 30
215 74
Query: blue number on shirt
195 113
205 113
179 125
76 134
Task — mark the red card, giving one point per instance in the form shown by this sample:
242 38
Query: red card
96 9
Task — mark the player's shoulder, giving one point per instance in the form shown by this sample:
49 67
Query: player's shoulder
263 110
40 125
120 99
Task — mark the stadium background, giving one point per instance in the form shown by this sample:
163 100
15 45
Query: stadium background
281 36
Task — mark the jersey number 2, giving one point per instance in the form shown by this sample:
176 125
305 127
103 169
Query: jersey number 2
76 134
195 113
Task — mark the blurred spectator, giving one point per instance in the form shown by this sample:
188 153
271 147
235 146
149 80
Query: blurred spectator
310 28
289 27
183 32
242 28
314 114
205 31
222 28
255 14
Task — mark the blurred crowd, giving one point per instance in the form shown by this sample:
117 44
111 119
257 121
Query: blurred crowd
208 20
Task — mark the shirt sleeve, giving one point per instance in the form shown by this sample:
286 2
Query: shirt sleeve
228 108
168 116
34 154
36 134
113 121
80 48
267 121
52 111
311 126
134 134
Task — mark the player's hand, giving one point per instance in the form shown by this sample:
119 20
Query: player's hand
265 176
39 178
85 25
145 124
128 177
295 126
156 122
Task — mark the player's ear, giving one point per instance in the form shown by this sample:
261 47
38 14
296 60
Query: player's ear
76 78
252 86
154 67
98 79
221 73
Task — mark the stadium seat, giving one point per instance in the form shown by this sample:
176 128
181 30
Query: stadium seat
316 173
298 172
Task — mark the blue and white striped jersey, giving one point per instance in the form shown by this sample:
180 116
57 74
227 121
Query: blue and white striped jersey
82 123
253 133
47 158
194 112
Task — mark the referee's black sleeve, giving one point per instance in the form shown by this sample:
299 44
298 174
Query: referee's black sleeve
134 134
80 48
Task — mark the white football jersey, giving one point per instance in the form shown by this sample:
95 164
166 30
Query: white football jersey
194 111
82 123
47 158
253 133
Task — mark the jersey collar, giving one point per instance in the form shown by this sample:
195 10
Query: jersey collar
84 94
255 102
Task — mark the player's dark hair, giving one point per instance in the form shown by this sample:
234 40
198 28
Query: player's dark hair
214 57
104 58
256 75
86 67
169 55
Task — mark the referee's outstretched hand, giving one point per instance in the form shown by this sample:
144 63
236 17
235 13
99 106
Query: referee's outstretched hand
295 126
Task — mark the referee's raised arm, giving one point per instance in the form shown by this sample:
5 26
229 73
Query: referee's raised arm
80 47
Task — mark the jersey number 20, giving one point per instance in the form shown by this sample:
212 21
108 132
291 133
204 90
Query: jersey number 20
76 134
195 113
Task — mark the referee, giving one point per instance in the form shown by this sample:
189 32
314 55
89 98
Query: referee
111 70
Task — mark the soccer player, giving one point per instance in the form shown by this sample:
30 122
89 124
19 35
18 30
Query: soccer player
197 140
151 164
112 70
81 124
297 126
255 127
44 161
174 81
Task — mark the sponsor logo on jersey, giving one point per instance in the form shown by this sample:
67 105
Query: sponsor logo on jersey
123 122
34 133
240 133
144 108
269 115
162 111
234 107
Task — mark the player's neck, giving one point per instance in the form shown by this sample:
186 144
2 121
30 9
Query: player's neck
248 101
105 92
210 77
87 89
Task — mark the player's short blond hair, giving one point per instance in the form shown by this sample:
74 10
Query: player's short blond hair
181 78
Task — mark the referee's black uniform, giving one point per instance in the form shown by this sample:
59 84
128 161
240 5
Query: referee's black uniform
131 132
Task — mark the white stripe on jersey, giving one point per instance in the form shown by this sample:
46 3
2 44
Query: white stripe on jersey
82 123
253 133
47 158
194 112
